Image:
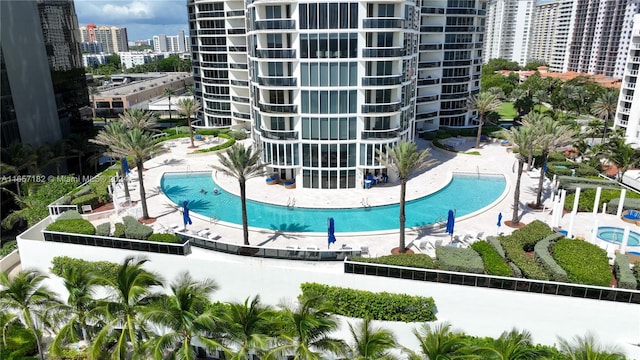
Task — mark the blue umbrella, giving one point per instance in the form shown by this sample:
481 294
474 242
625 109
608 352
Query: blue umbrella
125 165
451 220
499 221
331 232
185 214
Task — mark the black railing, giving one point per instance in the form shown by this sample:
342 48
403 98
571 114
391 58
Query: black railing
381 80
183 248
275 24
382 23
495 282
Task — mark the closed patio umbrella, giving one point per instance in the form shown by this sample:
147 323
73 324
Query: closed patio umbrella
185 214
331 233
451 220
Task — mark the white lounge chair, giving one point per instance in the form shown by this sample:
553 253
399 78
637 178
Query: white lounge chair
423 244
480 235
364 250
438 243
313 247
86 209
214 236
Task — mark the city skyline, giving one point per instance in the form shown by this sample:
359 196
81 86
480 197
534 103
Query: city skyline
142 18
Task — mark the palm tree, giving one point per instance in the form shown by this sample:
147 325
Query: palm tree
307 331
522 138
59 151
169 93
130 294
522 101
587 348
497 92
185 316
26 295
247 327
138 119
77 144
622 154
27 204
93 91
404 160
80 285
605 108
484 103
189 107
549 135
439 342
243 164
109 137
512 345
371 343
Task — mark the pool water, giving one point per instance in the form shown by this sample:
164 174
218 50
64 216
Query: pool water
465 193
614 235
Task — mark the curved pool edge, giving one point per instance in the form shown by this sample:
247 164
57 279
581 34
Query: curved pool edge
350 234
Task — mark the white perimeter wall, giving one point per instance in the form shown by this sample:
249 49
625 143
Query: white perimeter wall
477 311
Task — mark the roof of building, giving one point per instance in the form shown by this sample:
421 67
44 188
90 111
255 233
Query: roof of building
605 81
142 82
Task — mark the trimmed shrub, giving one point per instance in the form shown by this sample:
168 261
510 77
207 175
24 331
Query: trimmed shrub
135 230
102 268
165 238
8 248
103 229
516 270
459 259
631 201
230 141
65 200
636 271
69 215
99 184
409 260
74 226
623 272
118 230
523 240
89 199
584 262
377 306
493 241
542 252
82 191
493 263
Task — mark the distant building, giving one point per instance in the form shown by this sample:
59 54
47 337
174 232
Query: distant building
550 33
171 44
508 29
628 112
94 60
91 47
129 60
114 39
147 42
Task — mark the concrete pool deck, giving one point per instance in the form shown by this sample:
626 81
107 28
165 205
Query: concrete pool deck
493 159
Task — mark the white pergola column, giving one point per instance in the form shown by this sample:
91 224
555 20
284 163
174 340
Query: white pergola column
597 201
623 194
574 211
625 240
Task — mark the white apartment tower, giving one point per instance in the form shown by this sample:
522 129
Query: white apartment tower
171 44
628 113
113 39
550 33
508 30
322 86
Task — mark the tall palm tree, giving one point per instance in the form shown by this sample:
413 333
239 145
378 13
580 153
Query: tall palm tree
484 103
93 91
243 164
522 101
587 348
605 108
138 119
439 342
185 316
307 330
59 151
404 160
80 285
109 137
550 135
522 138
78 144
246 328
622 154
130 292
512 345
497 92
31 300
371 343
168 92
189 107
27 204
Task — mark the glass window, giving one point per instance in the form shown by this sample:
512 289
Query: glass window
303 16
304 74
333 128
353 74
323 16
353 102
344 102
334 74
324 74
344 16
313 102
274 12
353 16
306 130
313 46
324 102
315 128
313 16
333 102
304 46
333 16
313 74
344 74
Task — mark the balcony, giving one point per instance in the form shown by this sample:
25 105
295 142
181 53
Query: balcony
430 47
456 63
428 64
243 116
234 13
279 134
431 10
277 81
464 29
427 98
630 85
237 31
382 52
239 83
459 46
381 108
383 23
275 24
457 11
240 99
381 80
239 49
632 72
426 116
431 29
278 108
276 53
238 66
380 134
635 59
626 111
425 82
455 80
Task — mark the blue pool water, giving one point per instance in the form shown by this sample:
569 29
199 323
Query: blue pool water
465 193
614 235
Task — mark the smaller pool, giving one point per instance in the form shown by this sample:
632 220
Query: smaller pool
614 235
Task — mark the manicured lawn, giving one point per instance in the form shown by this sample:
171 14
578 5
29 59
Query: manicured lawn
507 111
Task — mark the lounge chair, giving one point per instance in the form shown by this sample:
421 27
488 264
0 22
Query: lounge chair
630 216
364 250
214 236
273 179
290 184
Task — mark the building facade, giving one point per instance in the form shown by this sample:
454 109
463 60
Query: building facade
508 30
551 29
113 39
91 47
132 59
628 112
328 85
172 44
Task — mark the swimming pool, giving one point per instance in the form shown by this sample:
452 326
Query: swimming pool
465 193
614 235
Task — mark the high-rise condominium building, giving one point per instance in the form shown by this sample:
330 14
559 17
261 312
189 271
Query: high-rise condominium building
325 85
628 113
173 44
551 30
114 39
508 30
43 84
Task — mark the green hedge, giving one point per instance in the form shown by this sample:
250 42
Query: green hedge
102 268
74 226
69 215
230 141
409 260
588 196
542 252
89 199
377 306
166 238
135 230
119 230
584 262
636 271
103 229
493 263
493 241
523 240
99 184
623 273
8 248
459 259
581 169
516 270
631 201
18 343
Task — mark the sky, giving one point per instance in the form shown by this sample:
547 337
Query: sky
142 18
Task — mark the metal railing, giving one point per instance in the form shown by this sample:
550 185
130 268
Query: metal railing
183 248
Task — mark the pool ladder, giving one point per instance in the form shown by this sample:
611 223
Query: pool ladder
365 202
291 202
